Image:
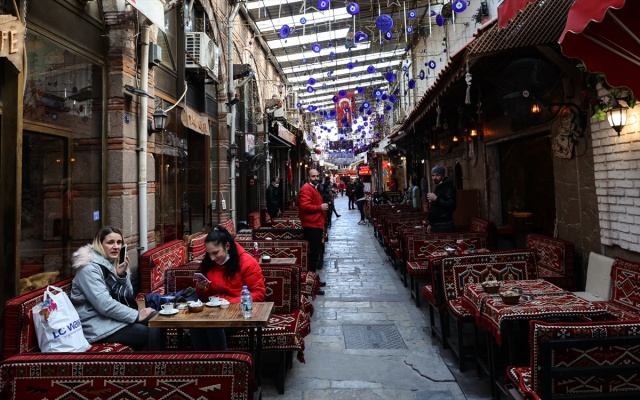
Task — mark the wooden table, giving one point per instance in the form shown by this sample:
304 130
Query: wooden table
216 317
280 261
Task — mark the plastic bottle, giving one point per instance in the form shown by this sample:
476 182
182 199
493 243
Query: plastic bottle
247 303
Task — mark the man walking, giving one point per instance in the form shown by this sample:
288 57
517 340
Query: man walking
350 187
273 198
312 214
442 202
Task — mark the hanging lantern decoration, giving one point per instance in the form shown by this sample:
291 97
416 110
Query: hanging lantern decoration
440 20
309 89
316 48
371 69
390 76
412 14
323 5
312 81
388 35
459 6
285 31
353 8
360 36
384 22
422 74
412 83
432 64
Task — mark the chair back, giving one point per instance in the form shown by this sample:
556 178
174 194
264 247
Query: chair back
599 276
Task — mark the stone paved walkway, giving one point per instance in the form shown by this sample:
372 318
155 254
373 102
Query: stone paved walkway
368 339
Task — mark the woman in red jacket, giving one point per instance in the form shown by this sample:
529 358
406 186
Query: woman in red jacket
228 267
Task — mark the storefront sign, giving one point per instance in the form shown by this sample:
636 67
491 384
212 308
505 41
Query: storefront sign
12 40
193 120
152 9
364 170
286 135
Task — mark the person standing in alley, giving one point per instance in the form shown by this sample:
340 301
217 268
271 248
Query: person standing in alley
342 187
350 188
442 202
312 213
273 198
358 194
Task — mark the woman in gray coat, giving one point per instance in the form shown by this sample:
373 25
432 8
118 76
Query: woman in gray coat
103 295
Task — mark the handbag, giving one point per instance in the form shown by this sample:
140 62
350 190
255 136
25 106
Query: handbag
57 324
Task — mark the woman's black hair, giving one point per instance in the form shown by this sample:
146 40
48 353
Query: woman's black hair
220 236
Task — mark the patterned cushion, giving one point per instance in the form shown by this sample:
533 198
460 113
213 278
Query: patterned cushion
554 258
283 287
286 223
420 247
521 378
597 357
626 286
254 220
278 234
458 309
128 376
418 268
195 246
230 226
154 262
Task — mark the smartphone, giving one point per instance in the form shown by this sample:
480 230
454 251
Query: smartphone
198 275
122 256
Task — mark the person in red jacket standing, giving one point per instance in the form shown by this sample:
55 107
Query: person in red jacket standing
227 267
312 214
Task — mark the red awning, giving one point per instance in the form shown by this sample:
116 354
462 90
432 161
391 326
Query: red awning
508 10
605 35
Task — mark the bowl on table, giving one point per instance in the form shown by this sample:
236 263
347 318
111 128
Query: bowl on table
266 259
195 307
224 303
510 297
491 286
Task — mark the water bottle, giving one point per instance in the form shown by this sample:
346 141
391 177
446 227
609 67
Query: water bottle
247 303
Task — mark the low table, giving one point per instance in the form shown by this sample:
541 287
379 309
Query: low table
280 261
216 317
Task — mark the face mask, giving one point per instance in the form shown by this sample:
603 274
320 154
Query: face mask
226 259
276 184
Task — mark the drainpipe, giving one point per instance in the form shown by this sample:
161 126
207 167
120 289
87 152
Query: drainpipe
142 140
231 96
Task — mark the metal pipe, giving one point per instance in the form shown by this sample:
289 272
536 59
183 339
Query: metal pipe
232 109
142 140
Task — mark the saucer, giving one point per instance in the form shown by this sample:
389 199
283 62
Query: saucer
163 312
212 304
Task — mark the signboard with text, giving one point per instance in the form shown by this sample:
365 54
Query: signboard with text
12 40
364 170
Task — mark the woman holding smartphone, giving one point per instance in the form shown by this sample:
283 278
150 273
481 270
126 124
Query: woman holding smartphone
103 295
227 267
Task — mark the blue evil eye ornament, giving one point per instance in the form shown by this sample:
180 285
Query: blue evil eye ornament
335 99
432 64
312 81
384 22
439 20
285 31
412 83
412 14
309 89
421 74
316 48
323 5
303 20
332 54
350 65
371 69
342 93
388 35
298 105
409 29
360 37
385 97
378 93
390 76
353 8
360 90
459 6
393 98
432 13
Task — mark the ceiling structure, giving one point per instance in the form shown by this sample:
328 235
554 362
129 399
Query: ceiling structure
328 50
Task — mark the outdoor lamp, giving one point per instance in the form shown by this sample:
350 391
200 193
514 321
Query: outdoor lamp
159 120
473 133
455 138
617 117
232 151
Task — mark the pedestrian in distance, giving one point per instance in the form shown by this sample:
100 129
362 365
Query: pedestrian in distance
273 198
442 202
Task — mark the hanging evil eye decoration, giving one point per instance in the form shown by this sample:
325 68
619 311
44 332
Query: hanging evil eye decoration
310 108
432 64
285 31
409 29
390 76
309 89
316 48
304 60
384 22
412 83
393 98
350 66
324 85
329 73
371 69
353 8
405 68
323 5
360 90
439 20
459 6
388 107
384 97
388 35
312 81
360 37
342 93
303 20
432 13
361 109
421 74
332 54
335 99
298 105
396 92
412 14
378 93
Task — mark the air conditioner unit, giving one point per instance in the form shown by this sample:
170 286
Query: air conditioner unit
201 51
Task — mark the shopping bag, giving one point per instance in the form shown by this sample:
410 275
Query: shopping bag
57 323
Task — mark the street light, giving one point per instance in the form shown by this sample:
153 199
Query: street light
617 117
232 151
159 120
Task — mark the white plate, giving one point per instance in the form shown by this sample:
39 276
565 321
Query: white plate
212 304
164 312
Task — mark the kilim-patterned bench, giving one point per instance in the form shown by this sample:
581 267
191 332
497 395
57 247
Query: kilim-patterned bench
625 291
154 262
555 259
277 234
26 373
588 360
